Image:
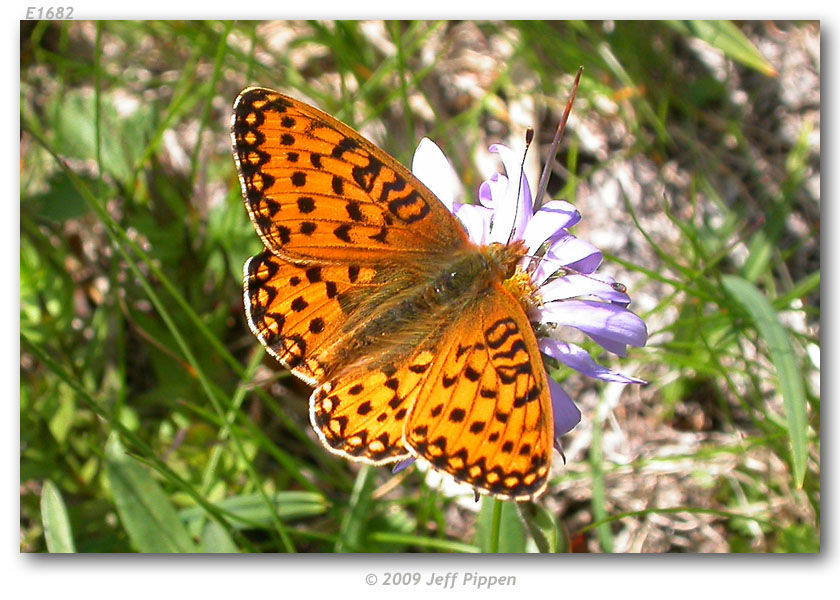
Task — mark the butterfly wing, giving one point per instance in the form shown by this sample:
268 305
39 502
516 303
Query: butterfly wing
295 309
484 414
361 415
332 211
316 190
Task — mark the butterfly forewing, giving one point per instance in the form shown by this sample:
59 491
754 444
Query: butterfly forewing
317 190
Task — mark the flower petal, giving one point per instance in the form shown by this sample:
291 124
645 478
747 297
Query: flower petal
565 250
611 325
548 221
574 285
403 464
577 358
476 220
491 193
515 209
566 414
431 167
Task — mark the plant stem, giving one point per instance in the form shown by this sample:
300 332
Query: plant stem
496 526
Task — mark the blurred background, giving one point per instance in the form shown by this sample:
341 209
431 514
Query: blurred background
152 420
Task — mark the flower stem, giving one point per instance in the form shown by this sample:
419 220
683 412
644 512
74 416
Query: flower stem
495 526
552 152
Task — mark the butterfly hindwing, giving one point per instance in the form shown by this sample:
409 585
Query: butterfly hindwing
484 415
362 414
317 190
295 310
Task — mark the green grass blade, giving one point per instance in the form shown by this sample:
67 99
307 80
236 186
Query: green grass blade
599 492
250 509
388 537
727 38
807 285
148 516
57 530
352 531
205 114
784 360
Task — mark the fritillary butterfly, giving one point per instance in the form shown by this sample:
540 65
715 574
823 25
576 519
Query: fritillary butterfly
370 290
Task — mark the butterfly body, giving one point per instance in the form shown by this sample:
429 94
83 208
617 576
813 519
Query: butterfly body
412 305
370 290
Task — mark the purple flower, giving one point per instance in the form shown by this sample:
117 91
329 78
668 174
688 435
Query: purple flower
567 292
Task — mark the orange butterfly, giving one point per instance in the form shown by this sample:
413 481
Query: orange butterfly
370 290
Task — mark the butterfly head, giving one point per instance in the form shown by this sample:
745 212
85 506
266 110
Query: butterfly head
505 260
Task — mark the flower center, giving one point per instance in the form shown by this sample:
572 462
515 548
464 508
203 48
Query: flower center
520 286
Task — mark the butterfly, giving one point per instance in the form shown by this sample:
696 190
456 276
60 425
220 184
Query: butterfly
370 290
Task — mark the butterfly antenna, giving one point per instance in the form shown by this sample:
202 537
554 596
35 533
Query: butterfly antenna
529 137
566 270
558 135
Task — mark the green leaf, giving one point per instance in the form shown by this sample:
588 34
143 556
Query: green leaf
64 414
784 360
60 201
543 527
726 37
145 511
215 539
251 509
512 536
123 136
799 539
57 530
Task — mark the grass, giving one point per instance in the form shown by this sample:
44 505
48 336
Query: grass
152 421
